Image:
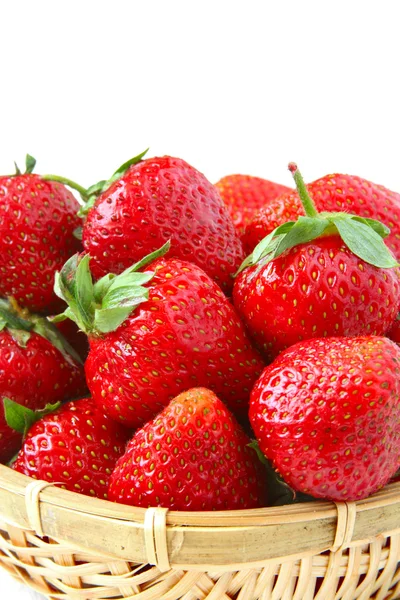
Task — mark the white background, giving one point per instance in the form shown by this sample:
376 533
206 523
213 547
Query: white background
231 86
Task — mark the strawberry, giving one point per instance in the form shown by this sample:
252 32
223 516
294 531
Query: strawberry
335 192
148 202
77 445
37 367
37 220
326 412
244 195
192 456
327 274
183 333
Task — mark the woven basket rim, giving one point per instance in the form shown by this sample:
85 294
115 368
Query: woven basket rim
185 539
390 494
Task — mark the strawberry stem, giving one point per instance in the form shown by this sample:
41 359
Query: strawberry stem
308 204
68 182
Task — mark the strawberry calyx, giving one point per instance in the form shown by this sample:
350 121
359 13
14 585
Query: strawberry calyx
363 236
30 163
20 418
89 195
101 307
20 323
10 319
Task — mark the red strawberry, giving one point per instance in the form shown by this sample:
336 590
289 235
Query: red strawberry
319 288
183 333
77 445
192 456
326 412
37 220
36 368
156 200
316 289
336 192
244 195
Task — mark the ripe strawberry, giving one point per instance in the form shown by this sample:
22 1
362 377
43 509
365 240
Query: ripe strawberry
336 192
244 195
183 333
37 367
77 446
37 220
155 200
192 456
319 277
326 412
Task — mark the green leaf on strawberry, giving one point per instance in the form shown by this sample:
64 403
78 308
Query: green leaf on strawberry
8 318
364 241
20 324
20 418
364 237
101 307
30 163
125 166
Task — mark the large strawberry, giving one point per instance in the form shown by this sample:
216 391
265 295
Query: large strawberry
326 274
326 412
37 221
76 446
336 192
157 333
244 195
146 203
192 456
37 367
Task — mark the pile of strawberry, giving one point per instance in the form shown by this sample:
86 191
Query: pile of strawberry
170 342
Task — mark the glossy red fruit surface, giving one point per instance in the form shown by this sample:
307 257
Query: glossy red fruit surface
192 456
77 446
326 412
186 335
37 220
335 192
244 195
316 289
33 375
160 199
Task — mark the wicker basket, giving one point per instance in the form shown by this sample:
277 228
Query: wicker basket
69 546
